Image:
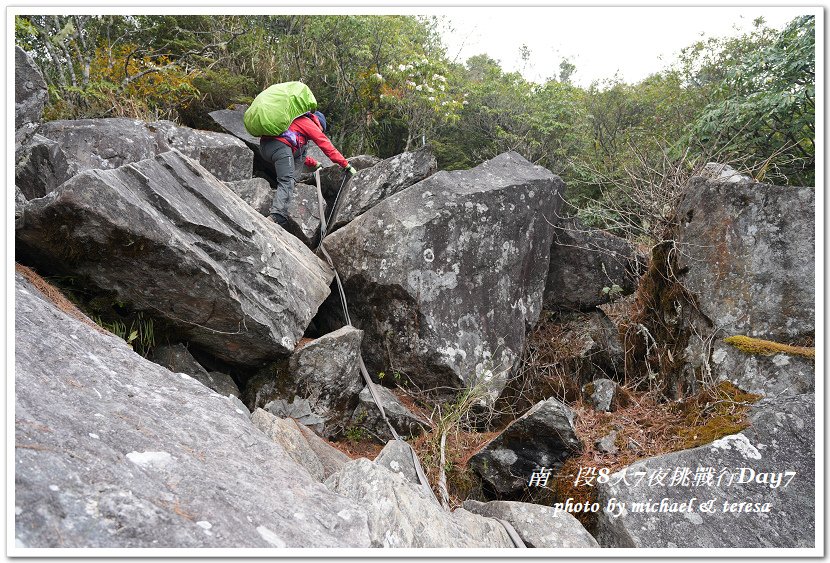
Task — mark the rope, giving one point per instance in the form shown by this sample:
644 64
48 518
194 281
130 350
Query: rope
512 533
419 470
346 177
369 383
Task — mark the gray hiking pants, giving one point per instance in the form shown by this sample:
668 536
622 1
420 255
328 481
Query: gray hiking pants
285 163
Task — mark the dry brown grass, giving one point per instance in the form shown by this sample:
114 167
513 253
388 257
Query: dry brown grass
649 426
545 370
55 296
356 449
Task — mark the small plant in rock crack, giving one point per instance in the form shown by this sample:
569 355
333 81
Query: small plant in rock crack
355 434
140 334
614 292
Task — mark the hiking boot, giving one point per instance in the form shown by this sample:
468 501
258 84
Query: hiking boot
278 219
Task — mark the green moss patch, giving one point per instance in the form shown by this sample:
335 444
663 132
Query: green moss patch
760 347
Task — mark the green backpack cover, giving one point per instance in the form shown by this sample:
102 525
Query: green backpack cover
273 110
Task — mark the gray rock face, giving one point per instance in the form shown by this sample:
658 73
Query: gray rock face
543 437
600 393
539 526
231 121
780 374
367 416
372 185
284 432
304 214
317 154
298 409
223 155
397 458
332 459
40 166
177 359
19 208
325 372
780 439
30 93
750 253
446 276
402 515
363 161
588 267
256 192
169 238
105 144
115 451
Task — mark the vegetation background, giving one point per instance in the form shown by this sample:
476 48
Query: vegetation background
386 85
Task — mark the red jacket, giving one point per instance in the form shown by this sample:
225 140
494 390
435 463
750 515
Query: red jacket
309 128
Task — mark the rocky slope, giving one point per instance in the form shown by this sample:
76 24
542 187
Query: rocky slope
220 438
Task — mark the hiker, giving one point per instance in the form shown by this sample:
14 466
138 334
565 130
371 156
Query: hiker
286 153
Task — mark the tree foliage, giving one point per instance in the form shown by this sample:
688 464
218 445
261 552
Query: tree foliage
764 104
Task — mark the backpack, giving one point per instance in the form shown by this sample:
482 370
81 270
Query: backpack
273 110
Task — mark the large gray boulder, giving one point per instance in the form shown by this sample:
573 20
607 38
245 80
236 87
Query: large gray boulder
304 214
543 437
740 473
178 359
401 514
589 267
223 155
539 526
325 372
318 385
109 143
372 185
231 121
104 144
30 92
748 250
446 276
41 166
112 450
168 238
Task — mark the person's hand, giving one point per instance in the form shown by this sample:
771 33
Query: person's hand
351 170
